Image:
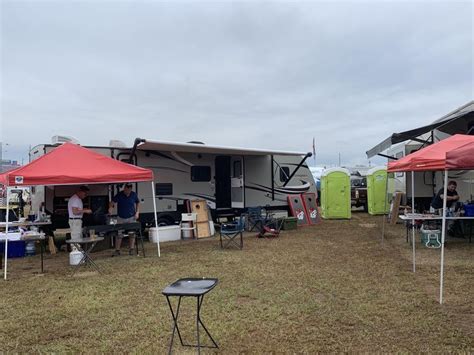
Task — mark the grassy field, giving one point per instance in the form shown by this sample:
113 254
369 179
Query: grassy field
326 288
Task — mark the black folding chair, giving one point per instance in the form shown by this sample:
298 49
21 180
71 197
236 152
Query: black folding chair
230 231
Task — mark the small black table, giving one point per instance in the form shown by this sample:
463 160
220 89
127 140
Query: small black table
86 258
114 228
190 287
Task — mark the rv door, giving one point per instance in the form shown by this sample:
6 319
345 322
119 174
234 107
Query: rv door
237 182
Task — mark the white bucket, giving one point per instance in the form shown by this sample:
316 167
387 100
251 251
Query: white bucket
153 234
75 257
187 234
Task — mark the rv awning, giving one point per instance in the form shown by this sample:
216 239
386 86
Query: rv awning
398 138
203 148
459 121
71 164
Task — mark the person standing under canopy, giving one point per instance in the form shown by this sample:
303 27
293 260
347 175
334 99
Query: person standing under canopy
76 210
128 211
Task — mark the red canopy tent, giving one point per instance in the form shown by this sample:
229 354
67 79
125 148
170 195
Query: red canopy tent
71 164
434 157
453 153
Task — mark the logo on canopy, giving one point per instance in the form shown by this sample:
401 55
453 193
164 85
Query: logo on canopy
18 179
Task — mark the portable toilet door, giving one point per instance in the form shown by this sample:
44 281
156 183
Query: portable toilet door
376 190
336 194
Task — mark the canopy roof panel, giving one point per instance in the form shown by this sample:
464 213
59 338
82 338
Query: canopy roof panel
462 156
453 153
71 164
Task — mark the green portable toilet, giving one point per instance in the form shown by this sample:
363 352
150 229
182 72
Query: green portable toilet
376 190
336 193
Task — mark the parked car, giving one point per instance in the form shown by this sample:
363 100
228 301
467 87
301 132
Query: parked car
359 191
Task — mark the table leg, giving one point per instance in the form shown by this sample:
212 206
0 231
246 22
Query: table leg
88 259
204 327
141 241
198 309
470 230
175 323
139 235
199 299
41 249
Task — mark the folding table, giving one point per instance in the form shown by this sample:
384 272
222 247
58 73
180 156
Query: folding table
190 287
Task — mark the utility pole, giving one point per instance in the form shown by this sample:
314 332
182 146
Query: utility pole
339 159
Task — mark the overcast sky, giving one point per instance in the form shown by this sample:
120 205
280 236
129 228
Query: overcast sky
250 74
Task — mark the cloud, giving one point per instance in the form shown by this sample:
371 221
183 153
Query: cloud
263 75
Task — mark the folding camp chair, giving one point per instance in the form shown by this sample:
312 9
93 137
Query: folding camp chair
255 218
230 231
271 228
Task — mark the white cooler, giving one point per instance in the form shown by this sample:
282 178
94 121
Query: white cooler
166 233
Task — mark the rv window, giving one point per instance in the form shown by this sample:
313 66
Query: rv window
284 173
200 173
237 169
164 189
398 156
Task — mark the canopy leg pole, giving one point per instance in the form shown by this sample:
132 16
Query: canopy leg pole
384 210
7 220
443 235
156 217
413 219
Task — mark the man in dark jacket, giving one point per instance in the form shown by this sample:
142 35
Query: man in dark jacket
452 196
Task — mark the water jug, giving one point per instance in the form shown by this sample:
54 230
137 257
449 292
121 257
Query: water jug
75 257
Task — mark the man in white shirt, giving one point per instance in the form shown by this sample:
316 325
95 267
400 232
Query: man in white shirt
76 210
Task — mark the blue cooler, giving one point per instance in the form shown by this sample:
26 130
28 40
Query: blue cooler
469 210
16 248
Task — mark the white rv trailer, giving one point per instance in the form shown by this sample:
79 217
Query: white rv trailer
459 121
230 179
424 180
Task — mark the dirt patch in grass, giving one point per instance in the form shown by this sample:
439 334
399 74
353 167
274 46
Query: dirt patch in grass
331 287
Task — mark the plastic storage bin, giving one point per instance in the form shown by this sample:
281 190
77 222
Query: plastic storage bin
290 223
166 233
